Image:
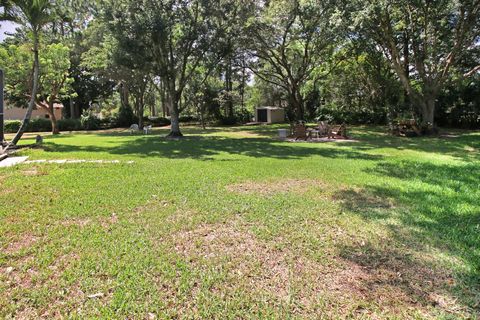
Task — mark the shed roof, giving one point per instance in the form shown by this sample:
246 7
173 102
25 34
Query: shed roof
269 108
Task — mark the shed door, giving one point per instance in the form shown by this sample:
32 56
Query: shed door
262 115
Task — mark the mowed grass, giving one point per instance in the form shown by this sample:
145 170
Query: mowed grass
232 223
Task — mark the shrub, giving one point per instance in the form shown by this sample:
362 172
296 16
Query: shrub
244 116
228 121
39 125
349 116
158 121
125 117
89 121
108 122
34 125
188 119
12 126
240 116
69 125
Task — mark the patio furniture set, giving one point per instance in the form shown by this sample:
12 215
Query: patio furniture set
300 131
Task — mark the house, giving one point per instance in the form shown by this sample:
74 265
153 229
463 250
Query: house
15 113
269 115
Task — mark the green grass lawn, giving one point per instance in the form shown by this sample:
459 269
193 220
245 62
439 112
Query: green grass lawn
231 223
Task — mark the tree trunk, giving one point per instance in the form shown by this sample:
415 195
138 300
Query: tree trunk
297 105
174 115
229 89
72 109
124 95
428 111
31 103
202 116
406 66
53 118
141 107
164 100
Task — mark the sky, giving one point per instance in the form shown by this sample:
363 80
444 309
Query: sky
6 27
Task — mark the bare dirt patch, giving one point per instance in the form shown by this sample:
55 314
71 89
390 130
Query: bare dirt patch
153 203
78 222
5 191
22 279
26 241
26 278
384 284
108 222
61 263
33 172
274 187
104 222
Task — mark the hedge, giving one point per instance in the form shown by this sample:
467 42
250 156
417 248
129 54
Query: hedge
12 126
89 123
43 125
156 121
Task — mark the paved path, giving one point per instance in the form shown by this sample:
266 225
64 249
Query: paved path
12 161
75 161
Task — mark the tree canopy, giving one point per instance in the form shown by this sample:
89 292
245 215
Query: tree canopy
215 61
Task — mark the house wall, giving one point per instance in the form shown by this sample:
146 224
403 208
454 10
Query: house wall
19 113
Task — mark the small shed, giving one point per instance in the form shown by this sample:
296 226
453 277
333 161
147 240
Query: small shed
270 115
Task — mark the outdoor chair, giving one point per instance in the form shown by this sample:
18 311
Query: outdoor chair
300 132
134 128
323 128
147 129
338 131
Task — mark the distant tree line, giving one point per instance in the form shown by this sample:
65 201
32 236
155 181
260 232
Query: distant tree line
362 62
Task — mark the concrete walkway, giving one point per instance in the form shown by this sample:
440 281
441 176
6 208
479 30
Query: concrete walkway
12 161
76 161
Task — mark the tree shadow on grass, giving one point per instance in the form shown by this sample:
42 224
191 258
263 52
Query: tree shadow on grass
463 145
206 147
395 279
438 211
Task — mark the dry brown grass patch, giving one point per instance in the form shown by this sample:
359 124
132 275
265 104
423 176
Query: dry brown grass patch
275 187
33 172
4 191
154 203
78 222
258 267
24 242
390 281
60 297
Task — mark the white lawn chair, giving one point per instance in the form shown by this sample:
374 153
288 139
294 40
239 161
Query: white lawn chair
134 128
147 129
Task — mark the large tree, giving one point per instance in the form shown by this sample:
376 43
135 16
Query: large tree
121 60
289 40
422 40
32 14
54 83
176 35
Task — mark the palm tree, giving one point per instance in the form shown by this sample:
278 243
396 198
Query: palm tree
33 14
